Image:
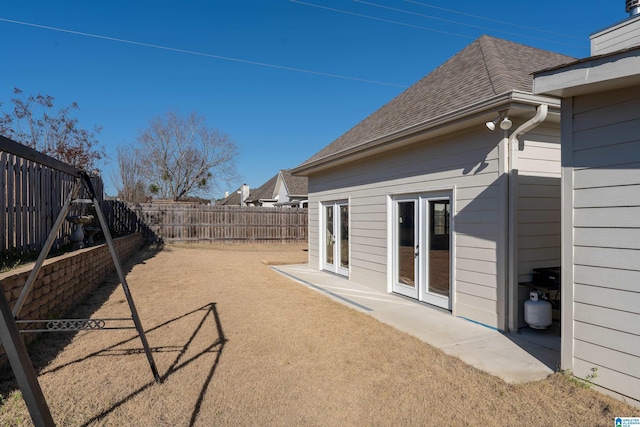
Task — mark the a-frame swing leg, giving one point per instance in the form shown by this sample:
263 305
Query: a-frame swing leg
86 180
123 280
10 334
22 368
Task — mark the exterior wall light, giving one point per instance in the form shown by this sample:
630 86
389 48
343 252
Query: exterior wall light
505 123
492 124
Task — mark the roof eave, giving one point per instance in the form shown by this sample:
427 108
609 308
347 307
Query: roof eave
432 127
594 74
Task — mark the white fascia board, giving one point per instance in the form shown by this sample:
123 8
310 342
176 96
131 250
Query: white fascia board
446 123
591 75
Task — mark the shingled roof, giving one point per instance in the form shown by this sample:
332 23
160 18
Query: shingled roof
266 191
232 199
296 186
487 67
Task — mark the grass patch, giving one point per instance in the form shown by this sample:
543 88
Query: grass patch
585 382
239 344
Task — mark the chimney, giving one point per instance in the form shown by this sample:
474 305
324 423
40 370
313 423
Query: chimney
244 194
633 7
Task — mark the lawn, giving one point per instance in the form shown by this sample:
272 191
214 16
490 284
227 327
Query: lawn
238 344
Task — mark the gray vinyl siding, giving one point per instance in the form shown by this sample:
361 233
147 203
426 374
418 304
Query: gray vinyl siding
539 193
313 233
621 36
604 226
468 162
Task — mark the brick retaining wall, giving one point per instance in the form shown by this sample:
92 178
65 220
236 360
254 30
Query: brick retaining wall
64 281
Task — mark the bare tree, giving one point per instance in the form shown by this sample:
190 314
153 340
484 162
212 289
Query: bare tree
129 180
34 122
181 156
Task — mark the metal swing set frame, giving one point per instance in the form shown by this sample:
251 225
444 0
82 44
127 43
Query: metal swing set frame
10 333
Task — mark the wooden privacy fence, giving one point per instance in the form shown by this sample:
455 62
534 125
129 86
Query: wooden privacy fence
182 222
31 196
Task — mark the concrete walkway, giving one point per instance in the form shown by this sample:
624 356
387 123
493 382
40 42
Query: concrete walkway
527 356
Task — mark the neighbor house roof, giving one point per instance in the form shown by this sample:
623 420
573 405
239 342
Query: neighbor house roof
266 191
233 199
296 186
487 67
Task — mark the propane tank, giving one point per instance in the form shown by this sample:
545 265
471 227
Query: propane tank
537 311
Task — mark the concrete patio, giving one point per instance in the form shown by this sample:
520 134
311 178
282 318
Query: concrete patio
529 355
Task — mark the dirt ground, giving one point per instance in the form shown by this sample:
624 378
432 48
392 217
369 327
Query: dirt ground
238 344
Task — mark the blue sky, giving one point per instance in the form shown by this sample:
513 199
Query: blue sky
283 78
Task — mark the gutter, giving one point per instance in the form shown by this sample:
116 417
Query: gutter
516 99
512 214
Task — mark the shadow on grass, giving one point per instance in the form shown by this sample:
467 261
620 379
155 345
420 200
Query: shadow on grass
180 362
208 311
47 346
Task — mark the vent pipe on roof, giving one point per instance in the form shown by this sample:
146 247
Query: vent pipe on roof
633 7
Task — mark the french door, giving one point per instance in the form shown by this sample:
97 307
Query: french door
421 247
335 243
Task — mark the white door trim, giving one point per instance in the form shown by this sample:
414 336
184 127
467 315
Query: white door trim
337 235
403 253
421 243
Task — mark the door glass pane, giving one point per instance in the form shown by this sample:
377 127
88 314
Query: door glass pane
439 247
344 236
329 237
406 243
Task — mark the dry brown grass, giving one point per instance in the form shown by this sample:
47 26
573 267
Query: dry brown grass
238 344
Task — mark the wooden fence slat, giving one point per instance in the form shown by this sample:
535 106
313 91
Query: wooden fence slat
4 166
31 196
200 223
11 195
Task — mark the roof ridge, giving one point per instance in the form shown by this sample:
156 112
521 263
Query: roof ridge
488 52
505 70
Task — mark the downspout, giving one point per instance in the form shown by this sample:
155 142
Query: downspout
512 215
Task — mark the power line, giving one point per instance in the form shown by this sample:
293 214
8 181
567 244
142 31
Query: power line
380 19
491 19
461 23
207 55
